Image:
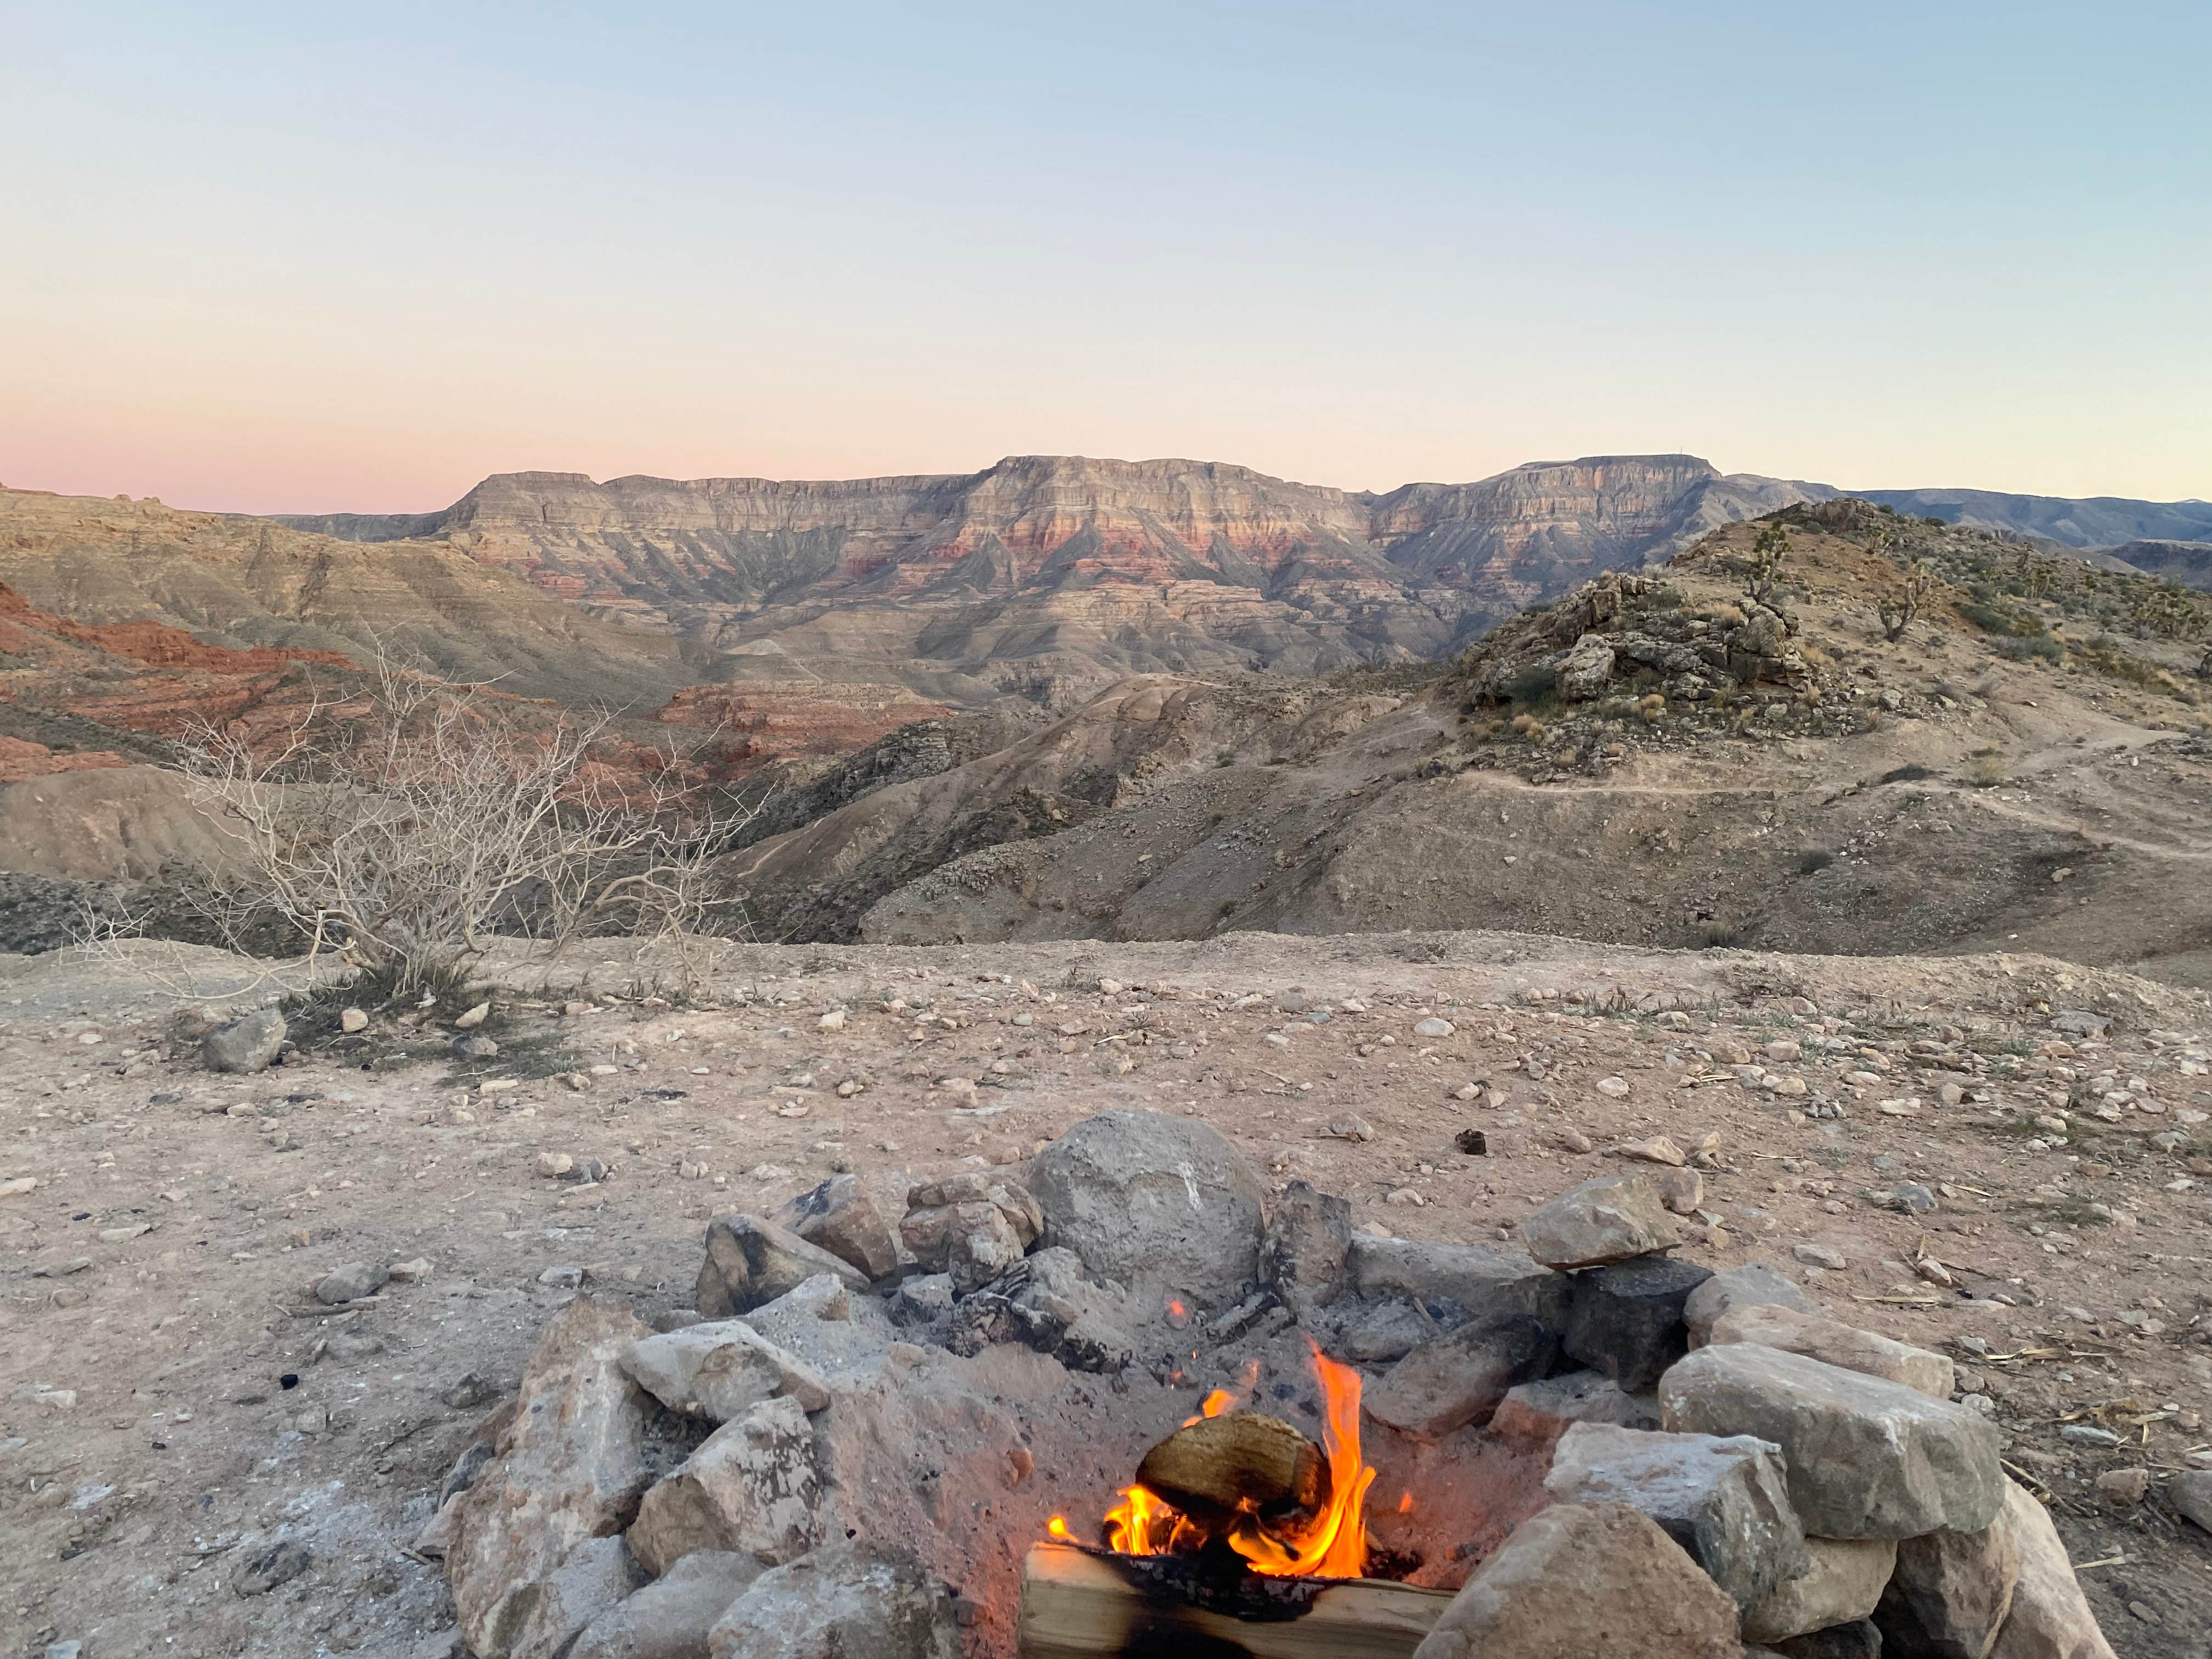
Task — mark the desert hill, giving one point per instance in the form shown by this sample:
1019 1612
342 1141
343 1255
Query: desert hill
1653 759
2095 521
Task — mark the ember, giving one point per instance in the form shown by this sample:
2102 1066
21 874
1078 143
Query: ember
1286 1520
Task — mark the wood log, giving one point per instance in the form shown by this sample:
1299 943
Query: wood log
1084 1604
1238 1463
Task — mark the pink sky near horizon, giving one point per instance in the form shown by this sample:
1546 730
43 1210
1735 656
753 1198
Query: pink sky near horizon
263 258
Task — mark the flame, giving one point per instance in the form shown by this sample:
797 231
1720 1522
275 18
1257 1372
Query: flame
1057 1527
1406 1505
1332 1544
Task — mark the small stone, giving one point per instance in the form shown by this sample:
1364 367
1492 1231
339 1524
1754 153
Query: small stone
1683 1191
749 1261
553 1165
720 1370
1535 1414
1615 1086
244 1045
472 1390
1656 1150
351 1282
353 1019
1350 1125
847 1599
2124 1485
469 1020
1819 1255
752 1486
410 1272
1433 1027
839 1217
280 1563
832 1021
1608 1219
2087 1434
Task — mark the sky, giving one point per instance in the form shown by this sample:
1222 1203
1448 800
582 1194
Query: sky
286 258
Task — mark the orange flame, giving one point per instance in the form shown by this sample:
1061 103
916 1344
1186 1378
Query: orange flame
1332 1544
1057 1527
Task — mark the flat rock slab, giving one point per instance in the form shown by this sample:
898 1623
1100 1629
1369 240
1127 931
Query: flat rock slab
1587 1582
1535 1414
1817 1336
1725 1501
1153 1202
1867 1458
1626 1320
1456 1379
1843 1586
750 1261
1737 1287
720 1368
1482 1282
1608 1219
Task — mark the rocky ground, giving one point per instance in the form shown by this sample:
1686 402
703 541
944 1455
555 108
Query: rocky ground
2001 1157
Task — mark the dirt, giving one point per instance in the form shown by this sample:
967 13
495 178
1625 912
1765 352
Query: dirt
216 1406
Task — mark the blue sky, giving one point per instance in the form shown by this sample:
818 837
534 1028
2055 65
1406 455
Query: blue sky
266 260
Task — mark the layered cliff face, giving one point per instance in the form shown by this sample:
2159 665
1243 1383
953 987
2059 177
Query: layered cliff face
241 583
1045 578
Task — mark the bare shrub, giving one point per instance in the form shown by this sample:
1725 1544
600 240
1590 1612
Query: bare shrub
411 826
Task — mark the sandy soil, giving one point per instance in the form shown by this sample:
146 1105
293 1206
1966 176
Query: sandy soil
173 1400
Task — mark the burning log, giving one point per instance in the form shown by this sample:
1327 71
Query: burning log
1238 1463
1085 1604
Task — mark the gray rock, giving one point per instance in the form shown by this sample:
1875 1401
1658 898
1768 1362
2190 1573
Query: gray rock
1535 1414
265 1570
570 1463
1626 1319
842 1602
351 1282
244 1045
672 1617
1725 1501
1857 1640
1583 668
1451 1381
1302 1256
596 1578
1158 1203
1481 1282
839 1217
1843 1587
922 1300
720 1368
1950 1592
2050 1617
1046 1303
753 1487
1868 1458
1607 1219
2191 1494
750 1261
474 1046
1587 1582
1737 1287
1389 1332
1830 1341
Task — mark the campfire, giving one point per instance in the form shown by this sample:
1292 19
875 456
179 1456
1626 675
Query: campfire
1237 1528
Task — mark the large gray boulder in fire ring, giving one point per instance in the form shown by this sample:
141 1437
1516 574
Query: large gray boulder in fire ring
1160 1204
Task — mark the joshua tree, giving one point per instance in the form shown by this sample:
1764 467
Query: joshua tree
1903 603
1767 554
